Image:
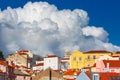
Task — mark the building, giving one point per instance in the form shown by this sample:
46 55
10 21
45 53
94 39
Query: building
52 61
65 63
116 53
99 76
107 66
21 75
107 57
6 71
22 57
38 66
48 74
80 59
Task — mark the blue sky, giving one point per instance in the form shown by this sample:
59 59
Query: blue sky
102 13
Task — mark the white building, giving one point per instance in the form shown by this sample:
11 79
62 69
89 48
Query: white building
65 63
38 66
52 61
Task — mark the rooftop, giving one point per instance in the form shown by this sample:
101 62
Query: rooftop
97 51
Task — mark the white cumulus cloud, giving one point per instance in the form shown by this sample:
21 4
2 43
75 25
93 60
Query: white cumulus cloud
43 29
96 32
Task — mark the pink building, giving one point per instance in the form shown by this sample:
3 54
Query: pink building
107 66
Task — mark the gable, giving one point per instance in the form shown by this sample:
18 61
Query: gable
83 76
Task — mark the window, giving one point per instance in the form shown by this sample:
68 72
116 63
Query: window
24 78
74 59
88 65
112 70
96 76
88 57
80 59
94 57
119 58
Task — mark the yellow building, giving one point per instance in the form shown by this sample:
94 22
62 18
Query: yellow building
80 59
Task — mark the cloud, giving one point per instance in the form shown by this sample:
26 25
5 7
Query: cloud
43 29
96 32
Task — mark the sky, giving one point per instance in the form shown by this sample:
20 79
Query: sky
101 13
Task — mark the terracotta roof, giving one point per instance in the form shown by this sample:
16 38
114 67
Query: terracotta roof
29 71
65 58
3 63
98 51
15 66
71 72
88 75
23 51
63 62
104 76
113 74
57 70
112 63
115 56
118 52
51 56
1 71
94 65
40 64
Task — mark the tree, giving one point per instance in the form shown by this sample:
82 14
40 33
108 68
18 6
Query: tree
1 55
